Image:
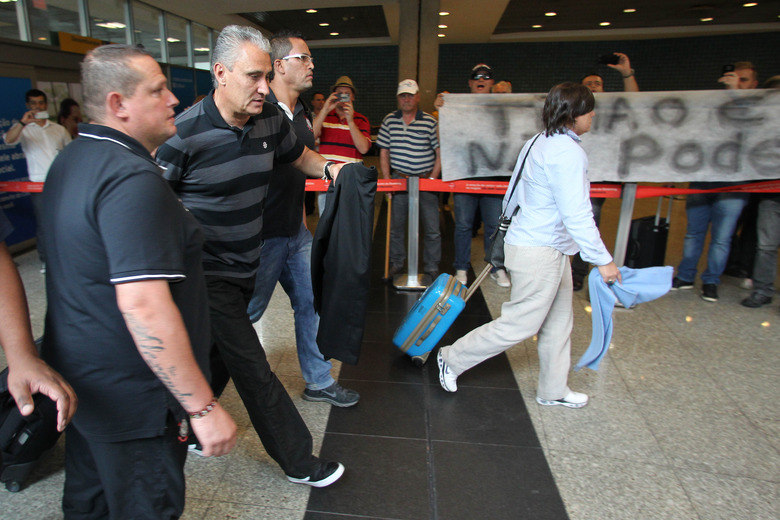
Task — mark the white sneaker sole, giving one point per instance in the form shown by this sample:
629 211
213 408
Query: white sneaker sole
545 402
333 477
442 381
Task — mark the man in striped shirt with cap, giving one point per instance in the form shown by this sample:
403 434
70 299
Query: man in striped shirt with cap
409 146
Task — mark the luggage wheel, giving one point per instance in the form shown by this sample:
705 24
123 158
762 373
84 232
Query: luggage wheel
419 361
13 486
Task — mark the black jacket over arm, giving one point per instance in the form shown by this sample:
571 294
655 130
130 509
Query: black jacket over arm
341 262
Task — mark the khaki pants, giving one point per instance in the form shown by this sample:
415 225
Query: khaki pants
541 304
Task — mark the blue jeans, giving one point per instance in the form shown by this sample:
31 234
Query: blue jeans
288 261
466 207
722 210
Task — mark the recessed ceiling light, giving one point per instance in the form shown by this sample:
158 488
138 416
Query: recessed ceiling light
42 38
111 25
444 13
334 34
442 35
442 26
201 49
629 10
537 26
311 10
709 19
173 40
750 4
604 24
551 14
324 24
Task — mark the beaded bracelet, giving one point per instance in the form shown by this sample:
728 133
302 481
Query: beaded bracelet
205 411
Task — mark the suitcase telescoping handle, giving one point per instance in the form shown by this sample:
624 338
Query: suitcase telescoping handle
474 286
668 211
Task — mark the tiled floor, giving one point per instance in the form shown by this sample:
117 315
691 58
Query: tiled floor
681 425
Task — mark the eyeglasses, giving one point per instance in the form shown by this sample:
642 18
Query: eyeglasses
482 75
305 58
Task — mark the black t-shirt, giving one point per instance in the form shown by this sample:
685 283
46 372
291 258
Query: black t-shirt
111 218
284 202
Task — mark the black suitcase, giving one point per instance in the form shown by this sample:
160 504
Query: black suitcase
647 239
23 439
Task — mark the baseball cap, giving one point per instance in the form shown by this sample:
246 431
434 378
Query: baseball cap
343 81
407 86
484 70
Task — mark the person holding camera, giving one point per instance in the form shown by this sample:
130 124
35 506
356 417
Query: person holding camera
345 135
41 141
555 220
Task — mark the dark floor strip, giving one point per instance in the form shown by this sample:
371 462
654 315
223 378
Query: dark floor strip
413 451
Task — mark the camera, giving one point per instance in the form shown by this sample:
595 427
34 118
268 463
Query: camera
728 68
343 97
608 59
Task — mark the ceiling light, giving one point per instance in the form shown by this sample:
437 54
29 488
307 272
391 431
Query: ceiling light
42 38
201 49
750 4
442 26
324 24
709 19
536 26
629 10
311 11
444 13
173 40
441 35
111 25
551 14
334 34
604 24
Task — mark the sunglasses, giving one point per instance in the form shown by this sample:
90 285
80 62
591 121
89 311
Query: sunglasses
305 58
482 75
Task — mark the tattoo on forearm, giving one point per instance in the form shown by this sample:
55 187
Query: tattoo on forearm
150 346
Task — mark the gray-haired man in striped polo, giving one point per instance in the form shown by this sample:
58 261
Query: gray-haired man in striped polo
409 146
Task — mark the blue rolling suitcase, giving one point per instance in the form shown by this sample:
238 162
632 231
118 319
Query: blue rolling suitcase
433 314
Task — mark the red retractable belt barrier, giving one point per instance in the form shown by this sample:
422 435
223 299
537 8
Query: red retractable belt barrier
609 191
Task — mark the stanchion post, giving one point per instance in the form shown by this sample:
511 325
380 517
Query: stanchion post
628 198
412 281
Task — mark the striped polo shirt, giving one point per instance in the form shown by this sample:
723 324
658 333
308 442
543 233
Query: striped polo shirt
336 142
221 173
413 146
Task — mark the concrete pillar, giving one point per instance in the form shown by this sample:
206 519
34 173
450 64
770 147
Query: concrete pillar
418 47
408 39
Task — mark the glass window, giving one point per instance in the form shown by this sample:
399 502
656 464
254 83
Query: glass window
9 27
200 46
107 20
177 39
50 17
147 28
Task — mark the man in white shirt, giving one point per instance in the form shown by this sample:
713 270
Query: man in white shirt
41 141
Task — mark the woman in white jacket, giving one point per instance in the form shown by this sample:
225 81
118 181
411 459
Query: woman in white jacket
554 221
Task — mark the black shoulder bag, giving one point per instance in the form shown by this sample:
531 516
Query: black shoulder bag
495 255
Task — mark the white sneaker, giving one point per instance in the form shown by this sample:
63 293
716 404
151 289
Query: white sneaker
501 278
461 275
447 379
747 283
572 400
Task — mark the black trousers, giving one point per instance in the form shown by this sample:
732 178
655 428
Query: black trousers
135 479
237 353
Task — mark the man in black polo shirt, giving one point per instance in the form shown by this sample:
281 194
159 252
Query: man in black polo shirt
127 322
219 163
286 253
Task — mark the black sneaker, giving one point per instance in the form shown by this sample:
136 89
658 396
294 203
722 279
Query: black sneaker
325 474
335 394
709 292
577 282
756 300
681 284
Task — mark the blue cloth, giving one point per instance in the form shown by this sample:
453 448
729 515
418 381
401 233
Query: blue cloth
638 286
553 195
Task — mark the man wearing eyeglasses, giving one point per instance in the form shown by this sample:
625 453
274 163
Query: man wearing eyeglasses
286 253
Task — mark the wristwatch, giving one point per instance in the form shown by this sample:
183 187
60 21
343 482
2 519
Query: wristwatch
326 171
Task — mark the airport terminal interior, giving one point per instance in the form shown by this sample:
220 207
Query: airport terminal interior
681 422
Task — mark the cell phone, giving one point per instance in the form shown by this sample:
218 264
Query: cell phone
343 97
41 115
608 59
728 68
